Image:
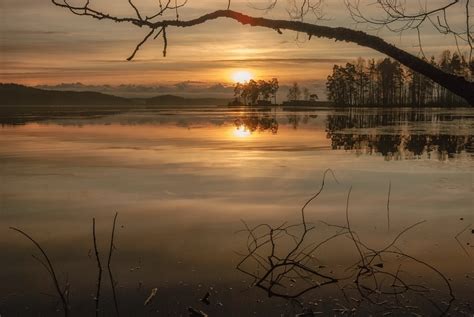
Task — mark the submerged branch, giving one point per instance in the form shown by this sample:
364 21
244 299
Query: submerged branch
284 267
109 260
99 269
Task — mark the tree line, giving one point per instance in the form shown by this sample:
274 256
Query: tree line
388 83
249 93
295 93
264 92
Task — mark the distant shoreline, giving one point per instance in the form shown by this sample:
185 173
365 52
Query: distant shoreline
330 105
14 95
19 95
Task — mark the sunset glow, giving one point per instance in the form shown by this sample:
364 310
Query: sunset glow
209 138
242 76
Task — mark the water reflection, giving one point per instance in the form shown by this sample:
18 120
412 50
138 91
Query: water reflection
401 134
395 134
287 261
181 181
253 122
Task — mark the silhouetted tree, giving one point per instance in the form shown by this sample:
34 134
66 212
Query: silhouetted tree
274 86
294 93
306 93
362 82
251 91
388 83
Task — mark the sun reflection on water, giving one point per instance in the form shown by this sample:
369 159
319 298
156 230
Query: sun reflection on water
241 132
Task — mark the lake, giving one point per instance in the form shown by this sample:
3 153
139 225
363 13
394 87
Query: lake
186 182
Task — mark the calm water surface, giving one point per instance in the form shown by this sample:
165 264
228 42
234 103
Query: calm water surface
183 180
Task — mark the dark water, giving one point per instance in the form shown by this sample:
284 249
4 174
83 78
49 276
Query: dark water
182 180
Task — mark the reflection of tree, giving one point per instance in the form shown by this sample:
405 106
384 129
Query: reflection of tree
416 144
340 129
295 119
450 144
255 122
387 144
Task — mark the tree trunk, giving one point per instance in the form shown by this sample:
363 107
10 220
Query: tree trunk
457 84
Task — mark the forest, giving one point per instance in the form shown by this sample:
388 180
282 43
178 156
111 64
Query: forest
388 83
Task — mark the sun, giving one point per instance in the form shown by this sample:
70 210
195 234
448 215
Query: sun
242 76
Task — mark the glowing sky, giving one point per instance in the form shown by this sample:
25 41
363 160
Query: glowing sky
44 44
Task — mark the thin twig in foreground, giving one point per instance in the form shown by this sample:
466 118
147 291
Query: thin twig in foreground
388 205
112 282
99 269
459 242
49 266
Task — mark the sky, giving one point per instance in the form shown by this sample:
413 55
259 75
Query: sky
42 44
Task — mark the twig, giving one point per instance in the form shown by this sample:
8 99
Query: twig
49 266
388 205
140 44
99 269
459 242
282 270
349 227
112 282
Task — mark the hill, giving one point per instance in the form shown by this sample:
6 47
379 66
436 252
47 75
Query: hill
13 94
19 95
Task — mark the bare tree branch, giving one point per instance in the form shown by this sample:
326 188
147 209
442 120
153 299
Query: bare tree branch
395 12
109 260
140 44
399 16
49 267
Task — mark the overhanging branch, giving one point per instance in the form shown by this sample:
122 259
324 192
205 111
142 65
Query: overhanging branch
456 84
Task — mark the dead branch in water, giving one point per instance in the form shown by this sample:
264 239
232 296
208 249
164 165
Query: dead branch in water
278 269
459 242
112 281
49 267
99 269
291 271
64 294
388 205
